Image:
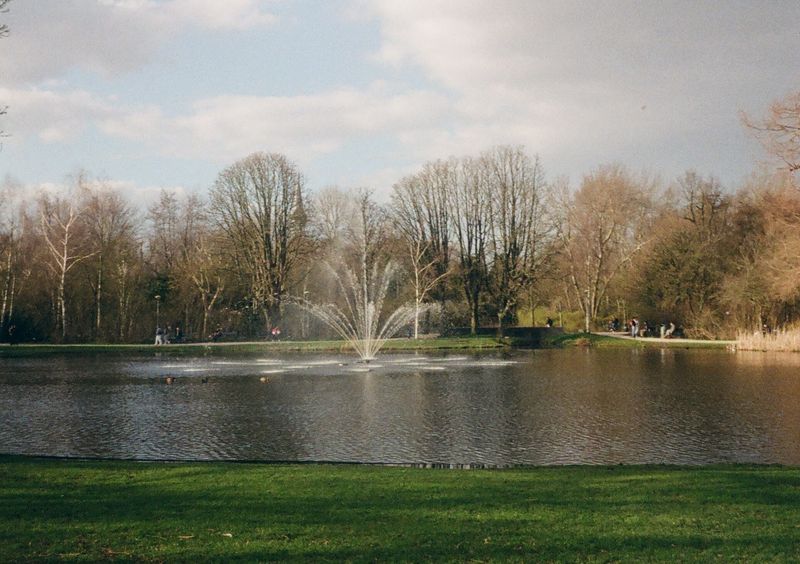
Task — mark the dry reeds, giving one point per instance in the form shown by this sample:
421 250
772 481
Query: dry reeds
777 341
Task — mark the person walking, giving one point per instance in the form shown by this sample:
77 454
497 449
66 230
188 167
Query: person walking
159 335
634 327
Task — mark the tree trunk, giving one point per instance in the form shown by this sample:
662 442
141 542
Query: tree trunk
98 315
123 310
588 310
62 307
442 314
203 299
10 314
417 304
6 289
473 321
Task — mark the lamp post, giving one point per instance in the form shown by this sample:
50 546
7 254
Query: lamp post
158 310
305 315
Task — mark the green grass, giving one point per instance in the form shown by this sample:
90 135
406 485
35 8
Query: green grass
54 510
605 341
396 345
593 340
393 345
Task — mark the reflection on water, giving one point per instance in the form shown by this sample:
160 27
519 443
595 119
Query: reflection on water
543 407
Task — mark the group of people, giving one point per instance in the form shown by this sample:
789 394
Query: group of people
665 330
167 336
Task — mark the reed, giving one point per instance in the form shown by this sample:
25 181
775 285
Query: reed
787 340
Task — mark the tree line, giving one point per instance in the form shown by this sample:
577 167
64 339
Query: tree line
479 240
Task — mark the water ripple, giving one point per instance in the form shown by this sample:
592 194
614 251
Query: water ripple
552 407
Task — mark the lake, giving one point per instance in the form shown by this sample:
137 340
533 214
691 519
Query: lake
544 407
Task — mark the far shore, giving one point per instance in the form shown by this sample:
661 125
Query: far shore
224 347
397 345
672 341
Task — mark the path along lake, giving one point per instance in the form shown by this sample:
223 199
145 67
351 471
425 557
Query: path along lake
576 406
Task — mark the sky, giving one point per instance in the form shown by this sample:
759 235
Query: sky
152 94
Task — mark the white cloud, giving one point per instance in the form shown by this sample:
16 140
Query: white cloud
614 79
648 84
213 14
52 115
52 37
223 128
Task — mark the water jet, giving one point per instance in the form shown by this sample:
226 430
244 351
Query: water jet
358 321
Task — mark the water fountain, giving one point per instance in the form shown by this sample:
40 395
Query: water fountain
363 289
358 322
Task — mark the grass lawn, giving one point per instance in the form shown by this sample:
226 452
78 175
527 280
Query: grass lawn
606 341
393 345
95 510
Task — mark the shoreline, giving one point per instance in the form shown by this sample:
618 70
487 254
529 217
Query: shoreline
392 345
466 466
396 345
674 341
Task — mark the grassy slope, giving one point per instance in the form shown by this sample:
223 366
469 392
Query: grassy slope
75 510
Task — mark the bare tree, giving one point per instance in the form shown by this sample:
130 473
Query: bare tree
469 202
520 224
128 276
178 225
15 230
259 203
367 234
198 272
8 237
201 264
61 229
165 232
333 212
9 243
779 131
601 228
366 241
424 274
774 245
704 203
422 214
208 283
109 221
